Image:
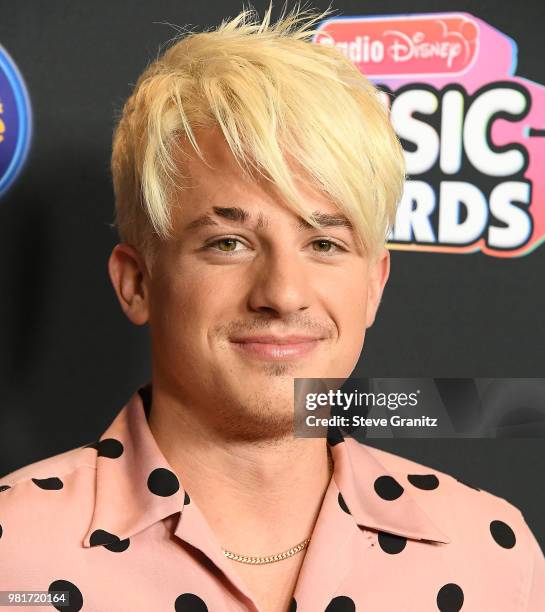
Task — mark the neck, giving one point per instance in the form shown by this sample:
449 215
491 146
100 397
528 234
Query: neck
256 496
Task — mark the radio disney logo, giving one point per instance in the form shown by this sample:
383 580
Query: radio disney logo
15 121
473 133
404 45
404 48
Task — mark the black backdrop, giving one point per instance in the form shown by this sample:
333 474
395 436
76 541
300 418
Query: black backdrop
68 357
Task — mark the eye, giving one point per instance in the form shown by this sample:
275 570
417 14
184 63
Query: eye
224 245
326 246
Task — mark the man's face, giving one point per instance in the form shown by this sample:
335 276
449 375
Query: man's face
247 296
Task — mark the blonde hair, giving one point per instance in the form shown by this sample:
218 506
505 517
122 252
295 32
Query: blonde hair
271 90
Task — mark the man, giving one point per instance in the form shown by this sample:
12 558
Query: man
256 176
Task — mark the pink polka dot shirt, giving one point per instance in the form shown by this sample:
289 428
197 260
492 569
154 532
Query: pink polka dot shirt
110 524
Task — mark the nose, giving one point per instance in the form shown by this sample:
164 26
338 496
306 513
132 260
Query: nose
280 285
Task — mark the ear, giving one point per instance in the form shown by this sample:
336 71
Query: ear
379 271
129 277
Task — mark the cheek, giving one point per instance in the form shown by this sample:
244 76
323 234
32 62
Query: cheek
348 308
349 301
180 308
355 305
353 323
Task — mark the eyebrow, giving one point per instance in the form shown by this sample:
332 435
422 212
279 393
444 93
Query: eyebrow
239 215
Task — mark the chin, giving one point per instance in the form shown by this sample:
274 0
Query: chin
259 416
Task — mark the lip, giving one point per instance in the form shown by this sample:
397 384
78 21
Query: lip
275 339
276 348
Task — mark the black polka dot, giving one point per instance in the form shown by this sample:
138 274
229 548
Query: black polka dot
75 597
1 531
391 543
163 482
293 605
341 604
388 488
503 534
119 546
450 598
188 602
187 499
4 488
427 482
110 447
52 484
342 503
108 540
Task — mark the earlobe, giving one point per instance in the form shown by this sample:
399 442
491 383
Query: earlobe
379 271
126 272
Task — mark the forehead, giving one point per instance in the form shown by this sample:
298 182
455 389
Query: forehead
221 181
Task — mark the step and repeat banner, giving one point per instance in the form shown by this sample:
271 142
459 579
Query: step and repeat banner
472 129
15 121
462 316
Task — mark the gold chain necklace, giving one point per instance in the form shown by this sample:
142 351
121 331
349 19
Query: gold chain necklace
260 560
272 559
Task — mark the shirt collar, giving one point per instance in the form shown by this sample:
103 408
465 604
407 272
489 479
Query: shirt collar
376 498
136 486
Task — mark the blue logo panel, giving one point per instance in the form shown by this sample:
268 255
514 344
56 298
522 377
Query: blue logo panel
15 121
